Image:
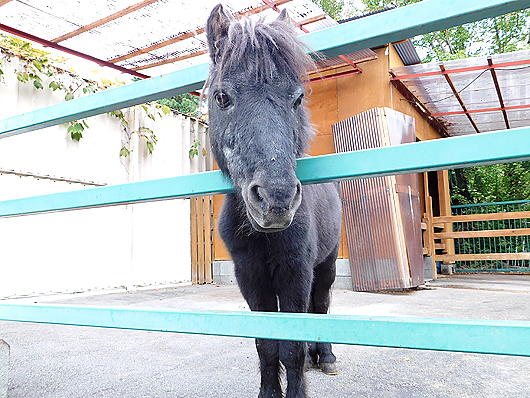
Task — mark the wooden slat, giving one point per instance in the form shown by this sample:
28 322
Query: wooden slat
105 20
439 246
200 239
208 273
484 233
194 244
3 2
512 215
483 257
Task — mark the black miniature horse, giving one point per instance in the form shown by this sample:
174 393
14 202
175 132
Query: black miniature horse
283 238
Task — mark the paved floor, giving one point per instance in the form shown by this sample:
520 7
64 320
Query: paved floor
68 361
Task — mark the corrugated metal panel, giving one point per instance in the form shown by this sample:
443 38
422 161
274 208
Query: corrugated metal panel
407 52
377 214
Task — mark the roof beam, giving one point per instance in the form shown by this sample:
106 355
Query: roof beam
201 52
67 50
105 20
171 60
506 108
460 70
459 99
185 36
418 106
498 89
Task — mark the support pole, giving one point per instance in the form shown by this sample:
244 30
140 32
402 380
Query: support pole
4 368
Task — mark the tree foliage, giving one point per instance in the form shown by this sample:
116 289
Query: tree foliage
500 34
333 8
495 183
185 103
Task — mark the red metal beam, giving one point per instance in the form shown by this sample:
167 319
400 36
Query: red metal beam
505 108
457 96
422 111
499 94
460 70
51 44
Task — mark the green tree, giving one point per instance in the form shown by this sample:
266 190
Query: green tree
501 34
333 8
185 103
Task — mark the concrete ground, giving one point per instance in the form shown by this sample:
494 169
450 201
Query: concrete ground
68 361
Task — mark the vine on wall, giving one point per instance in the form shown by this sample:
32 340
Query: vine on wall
36 65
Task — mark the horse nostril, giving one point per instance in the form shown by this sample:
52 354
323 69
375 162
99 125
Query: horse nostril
256 195
297 196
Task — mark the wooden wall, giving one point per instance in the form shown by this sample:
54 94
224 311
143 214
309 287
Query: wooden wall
331 101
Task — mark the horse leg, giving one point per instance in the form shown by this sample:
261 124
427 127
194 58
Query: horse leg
320 301
293 353
259 298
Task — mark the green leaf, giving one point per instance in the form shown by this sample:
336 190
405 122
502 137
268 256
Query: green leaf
69 96
151 116
22 76
193 152
124 152
85 124
166 109
150 146
145 108
1 72
38 84
76 136
54 85
38 65
204 152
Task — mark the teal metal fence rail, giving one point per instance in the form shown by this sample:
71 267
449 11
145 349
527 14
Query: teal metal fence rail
510 244
501 337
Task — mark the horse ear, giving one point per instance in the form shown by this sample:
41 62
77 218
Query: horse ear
216 30
284 16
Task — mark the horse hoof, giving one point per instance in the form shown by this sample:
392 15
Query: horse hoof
309 363
329 368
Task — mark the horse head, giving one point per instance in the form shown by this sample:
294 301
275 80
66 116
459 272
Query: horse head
258 122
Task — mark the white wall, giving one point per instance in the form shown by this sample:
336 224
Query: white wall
95 248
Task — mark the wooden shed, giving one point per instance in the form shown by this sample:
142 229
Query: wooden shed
342 88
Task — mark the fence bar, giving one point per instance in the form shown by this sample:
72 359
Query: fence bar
470 150
479 336
378 29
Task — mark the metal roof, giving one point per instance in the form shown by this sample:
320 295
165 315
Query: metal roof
471 95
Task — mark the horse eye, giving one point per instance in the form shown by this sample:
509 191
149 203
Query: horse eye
298 102
222 99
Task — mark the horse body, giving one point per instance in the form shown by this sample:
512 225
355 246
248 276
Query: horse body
283 239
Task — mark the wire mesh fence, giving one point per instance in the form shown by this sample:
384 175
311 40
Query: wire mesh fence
509 252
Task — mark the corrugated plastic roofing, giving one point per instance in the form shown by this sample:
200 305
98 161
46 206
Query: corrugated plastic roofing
477 90
156 22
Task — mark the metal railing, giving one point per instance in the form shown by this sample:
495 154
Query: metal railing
509 248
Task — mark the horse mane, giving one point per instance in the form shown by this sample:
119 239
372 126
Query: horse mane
263 47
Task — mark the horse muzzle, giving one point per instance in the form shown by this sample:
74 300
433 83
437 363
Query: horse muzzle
272 207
